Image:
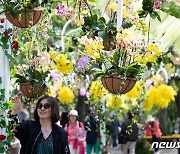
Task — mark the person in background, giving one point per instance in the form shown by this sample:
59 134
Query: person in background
152 129
130 130
115 130
76 133
64 119
42 135
91 126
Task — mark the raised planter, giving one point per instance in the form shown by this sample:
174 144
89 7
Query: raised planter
32 91
117 84
28 18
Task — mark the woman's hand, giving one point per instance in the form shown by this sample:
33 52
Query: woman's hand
17 103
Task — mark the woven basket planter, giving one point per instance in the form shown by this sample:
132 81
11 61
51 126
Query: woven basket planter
117 84
32 91
29 18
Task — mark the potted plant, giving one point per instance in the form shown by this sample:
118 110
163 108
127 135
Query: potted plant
32 79
119 68
22 13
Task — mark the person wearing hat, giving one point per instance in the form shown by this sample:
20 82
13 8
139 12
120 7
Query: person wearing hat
152 129
76 133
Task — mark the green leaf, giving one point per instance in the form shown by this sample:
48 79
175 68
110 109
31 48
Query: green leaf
171 8
92 1
142 14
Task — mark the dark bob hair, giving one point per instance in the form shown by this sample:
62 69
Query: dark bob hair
54 108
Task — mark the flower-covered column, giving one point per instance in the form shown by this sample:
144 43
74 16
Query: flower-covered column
119 14
4 64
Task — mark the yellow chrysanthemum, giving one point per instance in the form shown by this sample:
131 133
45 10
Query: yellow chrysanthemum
165 95
97 91
147 105
53 55
135 92
65 95
160 95
112 6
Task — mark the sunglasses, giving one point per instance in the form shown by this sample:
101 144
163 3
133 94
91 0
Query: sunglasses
46 106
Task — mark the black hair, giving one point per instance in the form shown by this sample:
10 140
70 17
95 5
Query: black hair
130 114
54 108
64 119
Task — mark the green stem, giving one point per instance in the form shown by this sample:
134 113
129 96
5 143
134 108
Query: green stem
89 9
149 27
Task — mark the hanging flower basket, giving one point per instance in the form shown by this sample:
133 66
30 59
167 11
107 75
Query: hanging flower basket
32 91
117 84
29 18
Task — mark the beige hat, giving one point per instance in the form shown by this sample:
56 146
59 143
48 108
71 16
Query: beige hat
73 112
150 118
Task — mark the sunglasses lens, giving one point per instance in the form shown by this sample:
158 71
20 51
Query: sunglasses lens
40 106
46 106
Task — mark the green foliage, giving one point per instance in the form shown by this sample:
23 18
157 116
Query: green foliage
143 147
32 75
19 6
147 8
172 8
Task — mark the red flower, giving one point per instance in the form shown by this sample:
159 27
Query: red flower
15 131
15 44
1 20
6 33
2 137
9 112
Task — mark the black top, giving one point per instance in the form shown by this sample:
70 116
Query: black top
28 133
130 129
91 128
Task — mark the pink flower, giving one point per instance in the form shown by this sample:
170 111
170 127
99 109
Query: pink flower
82 92
157 5
149 83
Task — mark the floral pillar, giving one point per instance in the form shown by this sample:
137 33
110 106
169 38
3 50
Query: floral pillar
4 71
119 14
4 65
103 125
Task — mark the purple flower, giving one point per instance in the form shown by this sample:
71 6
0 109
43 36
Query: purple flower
81 63
81 69
82 92
157 5
55 76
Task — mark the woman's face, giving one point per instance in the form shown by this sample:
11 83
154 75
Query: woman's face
72 118
44 110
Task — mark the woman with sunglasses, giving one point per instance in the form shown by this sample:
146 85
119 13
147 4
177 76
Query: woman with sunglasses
42 136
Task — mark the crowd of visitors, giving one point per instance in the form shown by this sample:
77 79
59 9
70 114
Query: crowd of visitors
48 133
